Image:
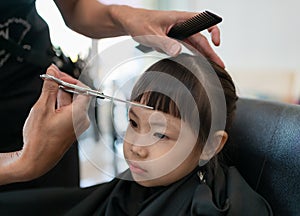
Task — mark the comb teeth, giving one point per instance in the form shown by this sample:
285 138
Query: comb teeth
189 27
194 25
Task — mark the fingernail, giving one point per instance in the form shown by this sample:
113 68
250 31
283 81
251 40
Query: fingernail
174 50
54 67
51 70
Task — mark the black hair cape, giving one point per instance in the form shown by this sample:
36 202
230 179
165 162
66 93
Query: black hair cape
223 191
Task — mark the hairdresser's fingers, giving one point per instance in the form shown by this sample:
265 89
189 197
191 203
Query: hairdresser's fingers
62 75
169 46
163 43
63 99
67 78
49 91
81 119
215 35
201 43
159 50
54 67
80 108
81 103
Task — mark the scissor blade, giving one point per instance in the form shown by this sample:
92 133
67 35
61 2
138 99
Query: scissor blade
88 91
125 101
100 95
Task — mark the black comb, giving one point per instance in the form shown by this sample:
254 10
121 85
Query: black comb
189 27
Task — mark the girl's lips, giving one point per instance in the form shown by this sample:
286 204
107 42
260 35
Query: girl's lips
136 169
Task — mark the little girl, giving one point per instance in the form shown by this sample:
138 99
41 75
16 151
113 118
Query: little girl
172 152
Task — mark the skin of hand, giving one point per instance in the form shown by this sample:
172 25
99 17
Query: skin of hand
96 20
51 128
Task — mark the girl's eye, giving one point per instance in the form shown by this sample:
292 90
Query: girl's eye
133 123
160 136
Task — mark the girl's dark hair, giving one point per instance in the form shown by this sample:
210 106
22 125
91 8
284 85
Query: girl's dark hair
178 86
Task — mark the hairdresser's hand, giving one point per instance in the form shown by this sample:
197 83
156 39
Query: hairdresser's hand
48 133
137 22
96 20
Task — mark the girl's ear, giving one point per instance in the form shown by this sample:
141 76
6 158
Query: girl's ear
213 147
220 137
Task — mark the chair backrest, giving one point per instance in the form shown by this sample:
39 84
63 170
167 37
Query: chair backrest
264 144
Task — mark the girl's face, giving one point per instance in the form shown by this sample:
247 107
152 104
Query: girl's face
159 148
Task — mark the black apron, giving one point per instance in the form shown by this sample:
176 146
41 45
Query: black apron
21 85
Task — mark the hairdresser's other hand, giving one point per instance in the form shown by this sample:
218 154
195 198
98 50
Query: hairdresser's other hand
48 133
96 20
137 22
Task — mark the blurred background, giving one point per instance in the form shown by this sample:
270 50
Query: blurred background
260 46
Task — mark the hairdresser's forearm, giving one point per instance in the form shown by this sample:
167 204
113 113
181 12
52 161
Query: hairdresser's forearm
92 18
26 164
12 168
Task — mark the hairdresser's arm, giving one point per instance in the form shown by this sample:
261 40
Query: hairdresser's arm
49 131
96 20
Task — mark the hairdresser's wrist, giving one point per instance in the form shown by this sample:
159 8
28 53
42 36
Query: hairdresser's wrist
121 16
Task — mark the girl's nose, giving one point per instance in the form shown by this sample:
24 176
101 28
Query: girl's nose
139 151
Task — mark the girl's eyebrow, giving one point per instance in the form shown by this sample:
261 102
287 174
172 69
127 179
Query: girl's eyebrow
169 125
133 113
153 123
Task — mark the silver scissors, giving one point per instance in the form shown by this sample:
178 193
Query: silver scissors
75 89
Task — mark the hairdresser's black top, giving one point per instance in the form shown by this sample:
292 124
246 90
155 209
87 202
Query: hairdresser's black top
225 193
20 85
19 81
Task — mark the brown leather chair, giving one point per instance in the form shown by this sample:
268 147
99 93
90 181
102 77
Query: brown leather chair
264 144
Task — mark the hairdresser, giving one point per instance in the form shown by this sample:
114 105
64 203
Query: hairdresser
26 52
